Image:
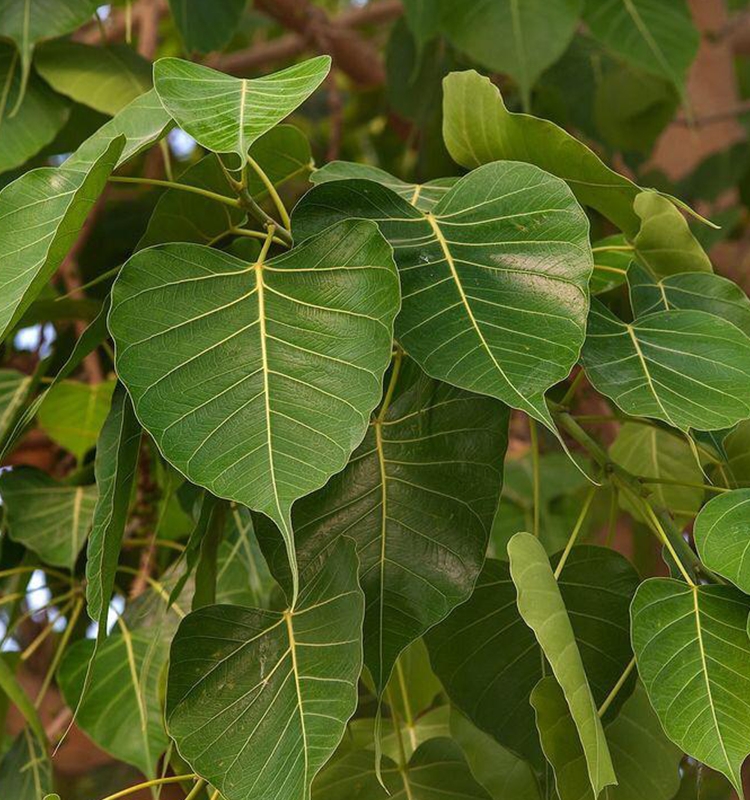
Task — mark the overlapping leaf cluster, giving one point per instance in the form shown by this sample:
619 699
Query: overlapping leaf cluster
348 605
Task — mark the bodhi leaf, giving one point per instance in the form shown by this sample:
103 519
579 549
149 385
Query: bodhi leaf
664 243
542 607
423 196
655 35
611 267
25 769
123 694
36 121
489 661
494 277
693 653
722 536
114 467
437 769
429 466
14 389
479 129
646 762
48 517
42 214
535 33
103 78
27 22
258 381
687 368
257 701
227 114
73 414
699 291
204 25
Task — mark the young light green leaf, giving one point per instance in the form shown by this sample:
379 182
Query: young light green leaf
437 769
722 536
226 114
663 455
25 769
503 774
103 78
271 731
655 35
423 196
489 661
204 25
37 120
125 688
693 653
664 242
73 414
257 383
646 762
687 368
142 122
51 519
700 291
542 607
431 464
27 22
611 267
42 214
535 33
479 129
494 277
115 466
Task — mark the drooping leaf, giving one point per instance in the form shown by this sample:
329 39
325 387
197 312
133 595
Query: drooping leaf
73 414
103 78
25 769
664 242
258 382
656 35
722 536
14 389
693 654
489 661
257 701
687 368
660 454
115 466
35 123
124 695
534 34
494 277
479 129
699 291
50 518
205 25
142 122
437 769
542 607
424 19
503 774
42 213
428 468
227 114
28 22
423 196
646 762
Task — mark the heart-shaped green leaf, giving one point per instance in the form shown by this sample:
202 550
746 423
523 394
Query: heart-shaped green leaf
257 701
50 518
429 467
693 654
227 114
722 536
687 368
542 607
40 217
257 380
494 277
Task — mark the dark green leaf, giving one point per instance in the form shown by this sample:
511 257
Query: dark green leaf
205 25
25 769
